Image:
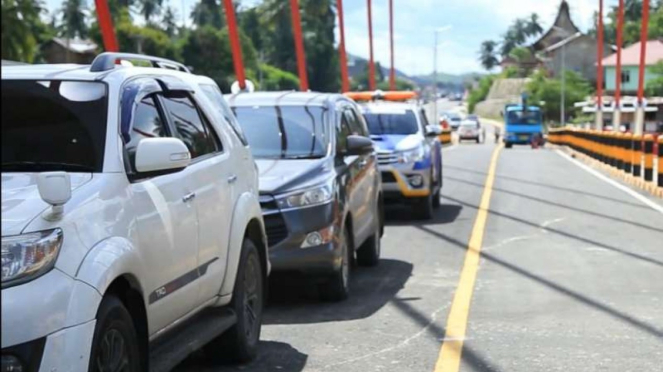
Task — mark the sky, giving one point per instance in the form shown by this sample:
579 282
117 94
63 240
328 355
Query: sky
467 24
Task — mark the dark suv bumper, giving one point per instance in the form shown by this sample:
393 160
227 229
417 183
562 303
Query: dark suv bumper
287 231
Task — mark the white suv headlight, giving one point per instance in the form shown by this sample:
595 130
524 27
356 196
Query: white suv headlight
411 156
313 196
27 256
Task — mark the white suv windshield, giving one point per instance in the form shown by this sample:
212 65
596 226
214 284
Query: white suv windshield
404 122
53 126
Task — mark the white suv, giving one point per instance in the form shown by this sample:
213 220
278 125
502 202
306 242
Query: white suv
131 228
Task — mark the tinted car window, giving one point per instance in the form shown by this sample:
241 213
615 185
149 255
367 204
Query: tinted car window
342 133
147 123
214 94
354 123
392 123
285 131
523 117
190 127
53 125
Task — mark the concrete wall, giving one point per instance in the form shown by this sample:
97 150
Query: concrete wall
502 92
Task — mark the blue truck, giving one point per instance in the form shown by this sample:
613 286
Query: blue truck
523 124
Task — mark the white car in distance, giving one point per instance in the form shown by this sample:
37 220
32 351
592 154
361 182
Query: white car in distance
131 228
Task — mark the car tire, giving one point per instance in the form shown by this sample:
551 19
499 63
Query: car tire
114 331
508 145
478 140
240 343
337 287
423 208
369 252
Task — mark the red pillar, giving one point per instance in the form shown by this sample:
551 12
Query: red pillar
106 26
599 56
643 50
371 64
343 59
392 72
299 45
620 41
234 43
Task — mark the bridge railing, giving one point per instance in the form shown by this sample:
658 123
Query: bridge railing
636 155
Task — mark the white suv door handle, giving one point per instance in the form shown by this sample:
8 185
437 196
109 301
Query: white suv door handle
189 197
232 178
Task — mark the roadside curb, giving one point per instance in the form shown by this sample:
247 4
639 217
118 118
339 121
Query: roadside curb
636 182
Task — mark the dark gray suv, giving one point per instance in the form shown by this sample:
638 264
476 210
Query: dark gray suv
320 187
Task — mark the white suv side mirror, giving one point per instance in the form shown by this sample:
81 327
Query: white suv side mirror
161 154
55 189
433 130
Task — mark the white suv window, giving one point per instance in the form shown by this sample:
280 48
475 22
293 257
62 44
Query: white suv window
214 94
147 123
191 127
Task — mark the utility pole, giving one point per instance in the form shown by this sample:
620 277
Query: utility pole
392 72
617 115
640 111
599 71
562 119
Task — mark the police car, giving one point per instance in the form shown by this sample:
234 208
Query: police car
408 148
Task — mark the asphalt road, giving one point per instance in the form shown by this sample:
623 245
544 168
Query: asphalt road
570 278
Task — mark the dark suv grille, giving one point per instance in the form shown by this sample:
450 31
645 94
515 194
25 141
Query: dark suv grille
277 231
388 177
275 226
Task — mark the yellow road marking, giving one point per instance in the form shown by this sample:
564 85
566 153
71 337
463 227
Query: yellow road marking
450 354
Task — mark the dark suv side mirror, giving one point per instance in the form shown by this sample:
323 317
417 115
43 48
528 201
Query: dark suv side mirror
359 145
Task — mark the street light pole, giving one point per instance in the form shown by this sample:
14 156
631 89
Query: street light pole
563 95
438 30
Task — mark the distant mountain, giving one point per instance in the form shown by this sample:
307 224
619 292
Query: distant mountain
357 66
447 79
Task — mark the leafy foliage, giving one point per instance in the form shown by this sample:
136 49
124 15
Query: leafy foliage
549 91
480 93
632 22
73 19
521 30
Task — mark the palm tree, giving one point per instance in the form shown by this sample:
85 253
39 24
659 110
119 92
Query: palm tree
207 12
19 20
150 8
487 55
533 27
168 22
73 19
519 29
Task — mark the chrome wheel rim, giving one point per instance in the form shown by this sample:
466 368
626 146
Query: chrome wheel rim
113 355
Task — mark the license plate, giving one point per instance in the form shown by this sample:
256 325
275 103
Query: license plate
524 138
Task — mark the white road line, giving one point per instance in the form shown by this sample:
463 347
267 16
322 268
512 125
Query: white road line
616 184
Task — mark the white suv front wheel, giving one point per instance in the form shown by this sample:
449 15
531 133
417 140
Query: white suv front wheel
115 343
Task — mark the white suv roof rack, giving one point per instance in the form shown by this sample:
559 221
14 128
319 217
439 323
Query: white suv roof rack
107 61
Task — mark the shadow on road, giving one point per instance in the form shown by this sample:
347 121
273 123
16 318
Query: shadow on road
581 298
401 215
294 299
272 357
548 186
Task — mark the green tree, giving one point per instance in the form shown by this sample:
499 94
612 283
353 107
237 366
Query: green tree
318 23
73 21
21 29
278 39
487 55
533 27
150 8
168 22
207 50
274 79
543 89
249 21
655 86
208 13
480 93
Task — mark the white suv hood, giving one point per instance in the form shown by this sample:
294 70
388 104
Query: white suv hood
21 202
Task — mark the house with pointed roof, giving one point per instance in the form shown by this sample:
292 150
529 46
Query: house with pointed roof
565 47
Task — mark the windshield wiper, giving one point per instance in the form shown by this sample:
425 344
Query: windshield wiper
42 166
